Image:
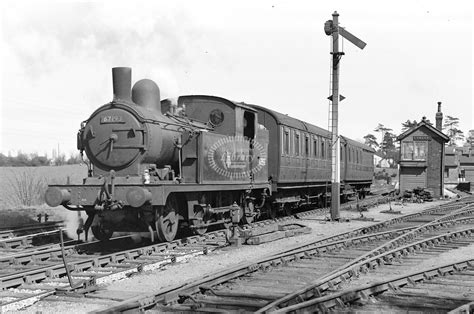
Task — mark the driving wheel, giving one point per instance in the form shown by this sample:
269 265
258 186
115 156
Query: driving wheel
166 221
101 232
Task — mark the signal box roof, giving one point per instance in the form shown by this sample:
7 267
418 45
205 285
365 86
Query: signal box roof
426 124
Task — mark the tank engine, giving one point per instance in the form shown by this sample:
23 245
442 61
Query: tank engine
192 161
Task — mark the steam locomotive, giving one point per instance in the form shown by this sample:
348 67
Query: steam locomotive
194 162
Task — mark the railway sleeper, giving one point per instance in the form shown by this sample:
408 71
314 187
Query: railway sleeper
35 278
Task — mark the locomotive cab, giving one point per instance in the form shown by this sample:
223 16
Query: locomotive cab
234 150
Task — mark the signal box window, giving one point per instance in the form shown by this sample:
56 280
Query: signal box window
414 150
420 150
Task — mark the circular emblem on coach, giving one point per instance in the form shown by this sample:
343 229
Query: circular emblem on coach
236 157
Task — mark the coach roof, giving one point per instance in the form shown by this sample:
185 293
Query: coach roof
286 120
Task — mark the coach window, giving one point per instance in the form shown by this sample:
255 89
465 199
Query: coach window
315 147
306 145
340 153
328 149
297 144
286 142
322 148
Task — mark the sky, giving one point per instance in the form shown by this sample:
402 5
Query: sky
56 60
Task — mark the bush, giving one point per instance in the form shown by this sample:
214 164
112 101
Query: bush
23 160
34 160
27 188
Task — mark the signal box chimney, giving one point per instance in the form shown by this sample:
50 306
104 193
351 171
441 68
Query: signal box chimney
439 118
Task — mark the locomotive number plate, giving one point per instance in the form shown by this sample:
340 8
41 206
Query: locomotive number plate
111 119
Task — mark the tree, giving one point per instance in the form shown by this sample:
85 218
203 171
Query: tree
382 129
408 125
389 141
395 156
451 125
470 139
74 159
60 160
371 140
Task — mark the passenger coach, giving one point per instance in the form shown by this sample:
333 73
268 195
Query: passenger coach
299 159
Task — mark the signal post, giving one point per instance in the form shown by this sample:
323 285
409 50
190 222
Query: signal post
331 28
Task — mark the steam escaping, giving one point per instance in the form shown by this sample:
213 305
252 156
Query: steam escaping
71 221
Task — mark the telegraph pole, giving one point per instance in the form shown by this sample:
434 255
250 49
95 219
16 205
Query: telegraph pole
331 27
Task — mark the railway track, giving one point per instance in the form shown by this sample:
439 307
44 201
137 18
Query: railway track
429 246
241 287
442 288
438 289
41 273
22 250
10 232
35 275
9 246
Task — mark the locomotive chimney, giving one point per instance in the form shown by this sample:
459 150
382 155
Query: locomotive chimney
439 118
146 94
122 81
